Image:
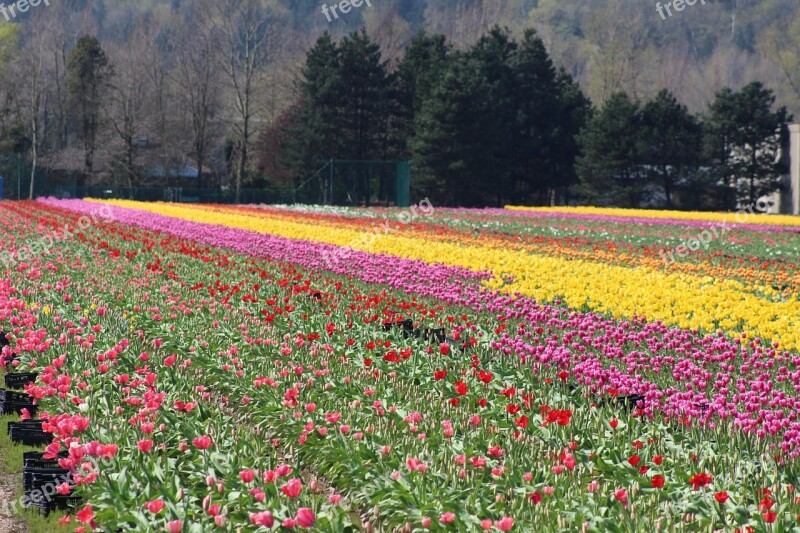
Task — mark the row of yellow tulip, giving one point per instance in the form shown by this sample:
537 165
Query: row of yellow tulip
752 216
686 301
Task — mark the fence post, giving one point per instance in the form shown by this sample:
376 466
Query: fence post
402 195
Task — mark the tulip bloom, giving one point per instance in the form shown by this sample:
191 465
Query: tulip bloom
247 476
202 443
305 518
505 523
263 518
85 515
292 488
154 506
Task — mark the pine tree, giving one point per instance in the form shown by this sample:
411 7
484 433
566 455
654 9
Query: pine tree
362 106
743 135
423 63
311 138
88 75
493 54
452 164
574 112
669 142
534 115
608 164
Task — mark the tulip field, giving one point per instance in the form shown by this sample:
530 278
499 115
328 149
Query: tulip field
248 368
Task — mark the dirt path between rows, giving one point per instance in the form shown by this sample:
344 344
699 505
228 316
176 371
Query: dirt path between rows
9 524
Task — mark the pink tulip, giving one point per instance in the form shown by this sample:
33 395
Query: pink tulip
263 518
505 524
305 517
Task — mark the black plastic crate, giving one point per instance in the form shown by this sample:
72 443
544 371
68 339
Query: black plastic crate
436 335
407 325
55 503
31 422
14 396
18 380
37 478
29 433
15 408
37 460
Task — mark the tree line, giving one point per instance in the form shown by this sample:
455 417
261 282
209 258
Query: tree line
486 118
499 123
186 90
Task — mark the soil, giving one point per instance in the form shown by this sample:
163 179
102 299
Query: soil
9 524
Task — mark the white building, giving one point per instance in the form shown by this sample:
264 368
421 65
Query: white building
788 201
789 198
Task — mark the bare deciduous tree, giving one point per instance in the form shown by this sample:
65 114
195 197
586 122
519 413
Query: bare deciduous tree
197 79
242 35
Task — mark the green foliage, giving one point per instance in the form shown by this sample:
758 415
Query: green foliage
342 111
499 126
9 44
88 74
417 72
609 144
743 136
670 142
451 158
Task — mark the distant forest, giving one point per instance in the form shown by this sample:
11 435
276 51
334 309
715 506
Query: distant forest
532 101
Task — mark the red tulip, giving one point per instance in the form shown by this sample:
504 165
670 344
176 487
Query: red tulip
85 515
154 506
495 451
700 480
292 488
202 443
